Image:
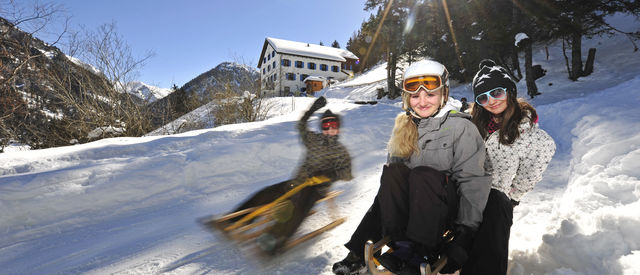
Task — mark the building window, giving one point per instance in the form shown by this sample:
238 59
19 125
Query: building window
311 66
324 67
264 60
291 76
273 53
264 70
274 65
286 62
274 76
303 77
269 68
268 57
335 69
299 64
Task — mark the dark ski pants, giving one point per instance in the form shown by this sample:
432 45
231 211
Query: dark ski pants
301 204
411 204
265 195
490 251
368 229
298 205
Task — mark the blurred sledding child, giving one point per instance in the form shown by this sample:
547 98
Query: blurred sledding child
324 156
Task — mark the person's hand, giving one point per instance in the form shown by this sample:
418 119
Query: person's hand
319 103
456 250
456 257
514 203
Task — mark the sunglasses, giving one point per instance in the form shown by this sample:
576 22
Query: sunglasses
330 123
497 93
428 82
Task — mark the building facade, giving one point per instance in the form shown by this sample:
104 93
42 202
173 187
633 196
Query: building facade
284 65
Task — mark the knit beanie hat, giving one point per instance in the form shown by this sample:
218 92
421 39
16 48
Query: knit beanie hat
491 76
328 115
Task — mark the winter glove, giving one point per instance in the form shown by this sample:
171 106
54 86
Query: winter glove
332 174
456 250
514 203
319 103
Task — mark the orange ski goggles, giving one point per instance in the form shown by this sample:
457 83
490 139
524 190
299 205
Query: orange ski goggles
429 82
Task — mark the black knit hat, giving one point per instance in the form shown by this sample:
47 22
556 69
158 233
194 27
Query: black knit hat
329 115
491 76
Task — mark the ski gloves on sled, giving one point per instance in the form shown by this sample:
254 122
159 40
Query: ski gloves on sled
456 250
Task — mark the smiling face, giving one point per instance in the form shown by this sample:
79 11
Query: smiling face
425 104
496 106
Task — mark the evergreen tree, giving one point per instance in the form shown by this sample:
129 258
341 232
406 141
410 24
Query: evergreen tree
335 44
389 35
460 33
360 44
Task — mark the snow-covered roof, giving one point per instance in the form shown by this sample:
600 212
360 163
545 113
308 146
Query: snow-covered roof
306 49
314 78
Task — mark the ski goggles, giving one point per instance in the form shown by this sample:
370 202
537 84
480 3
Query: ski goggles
496 93
429 82
330 123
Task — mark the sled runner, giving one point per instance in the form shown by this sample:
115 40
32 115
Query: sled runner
370 249
248 224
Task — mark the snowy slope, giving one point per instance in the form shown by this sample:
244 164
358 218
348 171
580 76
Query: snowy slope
129 205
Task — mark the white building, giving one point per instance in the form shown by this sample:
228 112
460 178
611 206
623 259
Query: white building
285 64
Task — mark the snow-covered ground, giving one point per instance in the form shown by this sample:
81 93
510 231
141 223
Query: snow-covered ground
129 205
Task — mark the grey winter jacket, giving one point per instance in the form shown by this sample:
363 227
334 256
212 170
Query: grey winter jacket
451 143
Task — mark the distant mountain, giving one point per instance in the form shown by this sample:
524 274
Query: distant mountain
238 77
146 92
227 76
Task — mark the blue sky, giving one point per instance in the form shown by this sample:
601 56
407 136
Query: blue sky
193 36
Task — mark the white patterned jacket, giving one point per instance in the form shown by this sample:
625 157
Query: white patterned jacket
516 168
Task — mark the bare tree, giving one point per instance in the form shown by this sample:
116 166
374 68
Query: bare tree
19 62
105 49
231 108
49 101
35 19
109 52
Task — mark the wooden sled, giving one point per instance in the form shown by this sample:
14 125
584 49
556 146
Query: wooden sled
370 249
257 220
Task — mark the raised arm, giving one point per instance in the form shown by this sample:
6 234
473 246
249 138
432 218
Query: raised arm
302 123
